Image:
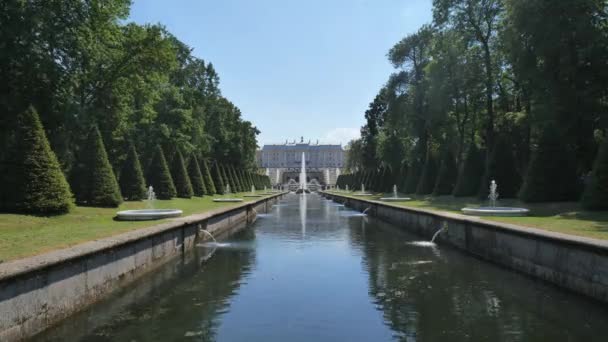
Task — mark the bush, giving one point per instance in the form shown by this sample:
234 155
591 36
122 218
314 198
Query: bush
196 177
595 196
183 185
34 184
551 174
446 176
502 168
237 181
428 176
132 183
218 179
95 183
471 173
209 184
226 178
159 176
413 177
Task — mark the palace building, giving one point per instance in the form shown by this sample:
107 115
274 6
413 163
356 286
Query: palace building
324 163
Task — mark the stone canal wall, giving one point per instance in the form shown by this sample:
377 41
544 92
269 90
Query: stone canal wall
575 263
39 291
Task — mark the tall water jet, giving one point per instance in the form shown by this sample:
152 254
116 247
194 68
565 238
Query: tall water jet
363 193
303 187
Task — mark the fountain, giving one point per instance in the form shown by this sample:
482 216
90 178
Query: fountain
148 214
227 199
395 197
303 187
253 194
363 193
492 209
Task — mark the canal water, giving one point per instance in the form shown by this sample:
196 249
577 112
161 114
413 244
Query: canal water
310 270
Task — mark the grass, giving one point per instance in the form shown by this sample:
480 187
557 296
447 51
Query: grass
562 217
24 235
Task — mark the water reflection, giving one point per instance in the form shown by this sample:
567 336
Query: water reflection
309 273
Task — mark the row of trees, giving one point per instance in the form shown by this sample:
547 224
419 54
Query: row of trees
37 184
83 68
510 90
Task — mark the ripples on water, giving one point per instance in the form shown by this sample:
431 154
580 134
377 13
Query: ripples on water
310 273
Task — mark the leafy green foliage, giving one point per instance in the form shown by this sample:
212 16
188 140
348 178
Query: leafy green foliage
595 196
132 183
34 184
551 175
159 176
94 182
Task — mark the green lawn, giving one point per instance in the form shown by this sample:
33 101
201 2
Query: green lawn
23 235
562 217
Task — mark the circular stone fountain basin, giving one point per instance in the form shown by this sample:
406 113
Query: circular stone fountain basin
147 214
363 194
395 199
227 200
252 196
496 211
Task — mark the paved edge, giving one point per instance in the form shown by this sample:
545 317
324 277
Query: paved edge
14 268
585 242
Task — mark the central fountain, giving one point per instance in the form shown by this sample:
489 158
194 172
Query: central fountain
303 187
492 209
395 197
148 214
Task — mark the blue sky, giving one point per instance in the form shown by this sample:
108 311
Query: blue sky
294 68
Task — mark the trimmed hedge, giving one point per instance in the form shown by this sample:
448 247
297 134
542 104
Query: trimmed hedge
34 184
196 177
470 174
551 174
428 176
502 168
96 183
446 177
595 196
183 186
159 176
209 183
132 183
218 179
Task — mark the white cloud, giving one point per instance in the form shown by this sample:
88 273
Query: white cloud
340 135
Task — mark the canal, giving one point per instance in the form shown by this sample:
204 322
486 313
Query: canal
311 270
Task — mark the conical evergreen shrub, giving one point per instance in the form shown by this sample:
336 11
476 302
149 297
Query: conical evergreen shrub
227 180
501 168
183 185
132 183
34 184
237 181
428 176
551 174
196 177
218 180
96 183
472 171
159 176
413 177
209 184
446 177
595 196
